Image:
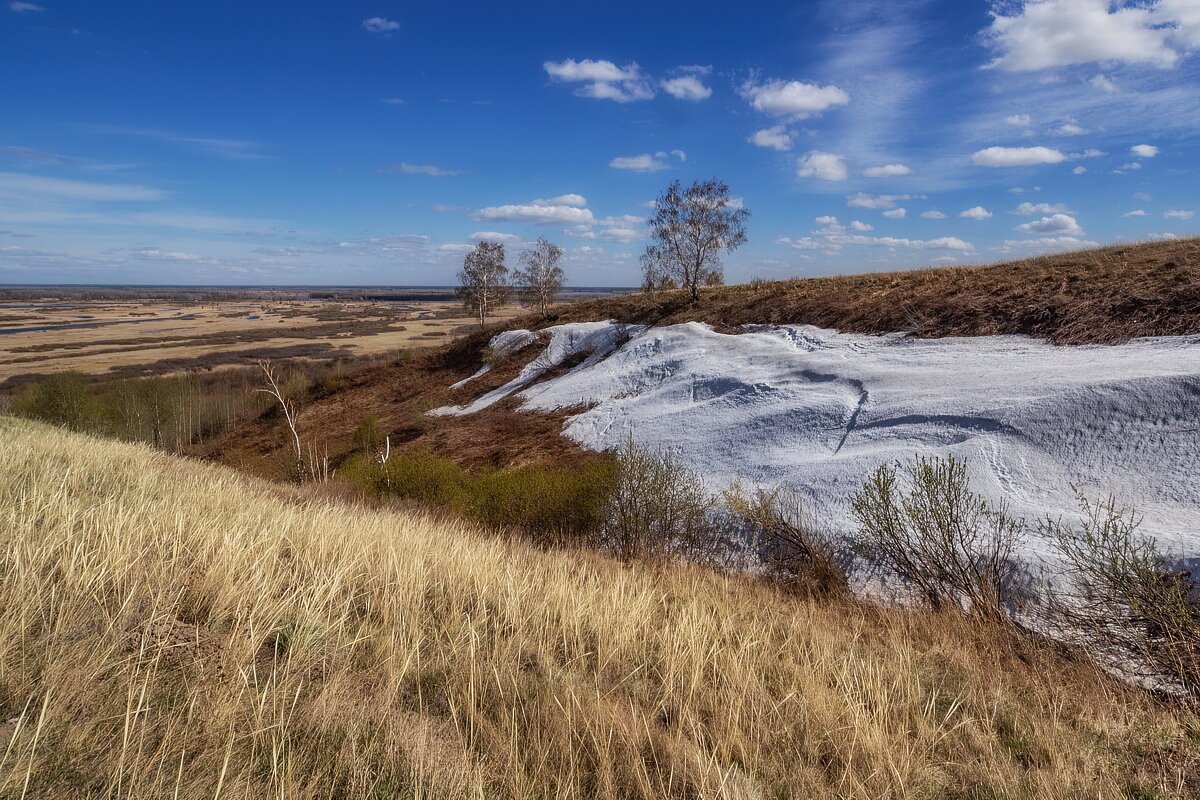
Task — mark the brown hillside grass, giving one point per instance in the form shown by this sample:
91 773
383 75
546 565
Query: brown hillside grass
175 630
1103 295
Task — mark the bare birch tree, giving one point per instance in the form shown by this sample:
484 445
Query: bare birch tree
690 229
540 277
483 283
289 413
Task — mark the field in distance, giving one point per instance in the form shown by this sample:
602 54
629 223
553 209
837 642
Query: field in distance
126 332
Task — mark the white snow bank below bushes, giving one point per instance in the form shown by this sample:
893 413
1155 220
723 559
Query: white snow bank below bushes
816 411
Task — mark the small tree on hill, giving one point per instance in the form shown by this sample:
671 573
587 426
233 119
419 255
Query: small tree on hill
483 283
690 229
540 277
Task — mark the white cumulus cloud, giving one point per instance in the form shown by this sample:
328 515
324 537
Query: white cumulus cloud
602 80
1178 214
1063 224
538 212
793 99
1136 213
976 213
887 171
1016 156
933 215
896 213
777 137
822 166
1068 129
1059 33
687 87
1144 150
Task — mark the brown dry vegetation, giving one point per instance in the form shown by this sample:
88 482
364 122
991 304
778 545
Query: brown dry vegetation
1091 296
398 394
172 629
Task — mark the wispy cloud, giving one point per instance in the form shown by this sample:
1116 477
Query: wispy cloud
237 149
38 154
20 7
642 163
17 185
381 25
419 169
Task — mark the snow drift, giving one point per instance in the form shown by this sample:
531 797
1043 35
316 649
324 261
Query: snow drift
816 411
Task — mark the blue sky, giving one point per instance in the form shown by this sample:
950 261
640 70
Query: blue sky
372 142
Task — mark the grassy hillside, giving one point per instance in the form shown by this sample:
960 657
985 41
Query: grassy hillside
1090 296
173 629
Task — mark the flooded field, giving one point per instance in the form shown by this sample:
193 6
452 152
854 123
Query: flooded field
147 337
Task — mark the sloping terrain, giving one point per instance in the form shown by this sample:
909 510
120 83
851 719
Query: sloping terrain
1103 295
174 629
1098 296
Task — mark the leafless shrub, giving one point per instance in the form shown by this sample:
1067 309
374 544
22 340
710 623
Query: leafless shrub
657 509
1126 600
774 526
943 540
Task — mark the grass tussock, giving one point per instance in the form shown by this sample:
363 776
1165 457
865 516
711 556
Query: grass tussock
169 629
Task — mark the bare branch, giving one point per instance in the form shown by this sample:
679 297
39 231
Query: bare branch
289 413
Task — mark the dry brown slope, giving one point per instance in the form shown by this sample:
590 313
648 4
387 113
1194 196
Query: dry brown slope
1091 296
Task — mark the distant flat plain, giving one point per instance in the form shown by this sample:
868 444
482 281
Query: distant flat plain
109 331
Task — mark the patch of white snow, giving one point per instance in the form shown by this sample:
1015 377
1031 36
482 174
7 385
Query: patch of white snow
817 411
597 339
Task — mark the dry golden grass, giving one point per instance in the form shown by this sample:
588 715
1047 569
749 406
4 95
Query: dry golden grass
174 629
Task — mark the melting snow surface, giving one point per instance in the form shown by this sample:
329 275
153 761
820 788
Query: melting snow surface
502 344
597 339
816 411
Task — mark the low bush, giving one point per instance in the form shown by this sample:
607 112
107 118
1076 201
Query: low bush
60 399
944 541
551 504
658 508
773 525
1126 600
